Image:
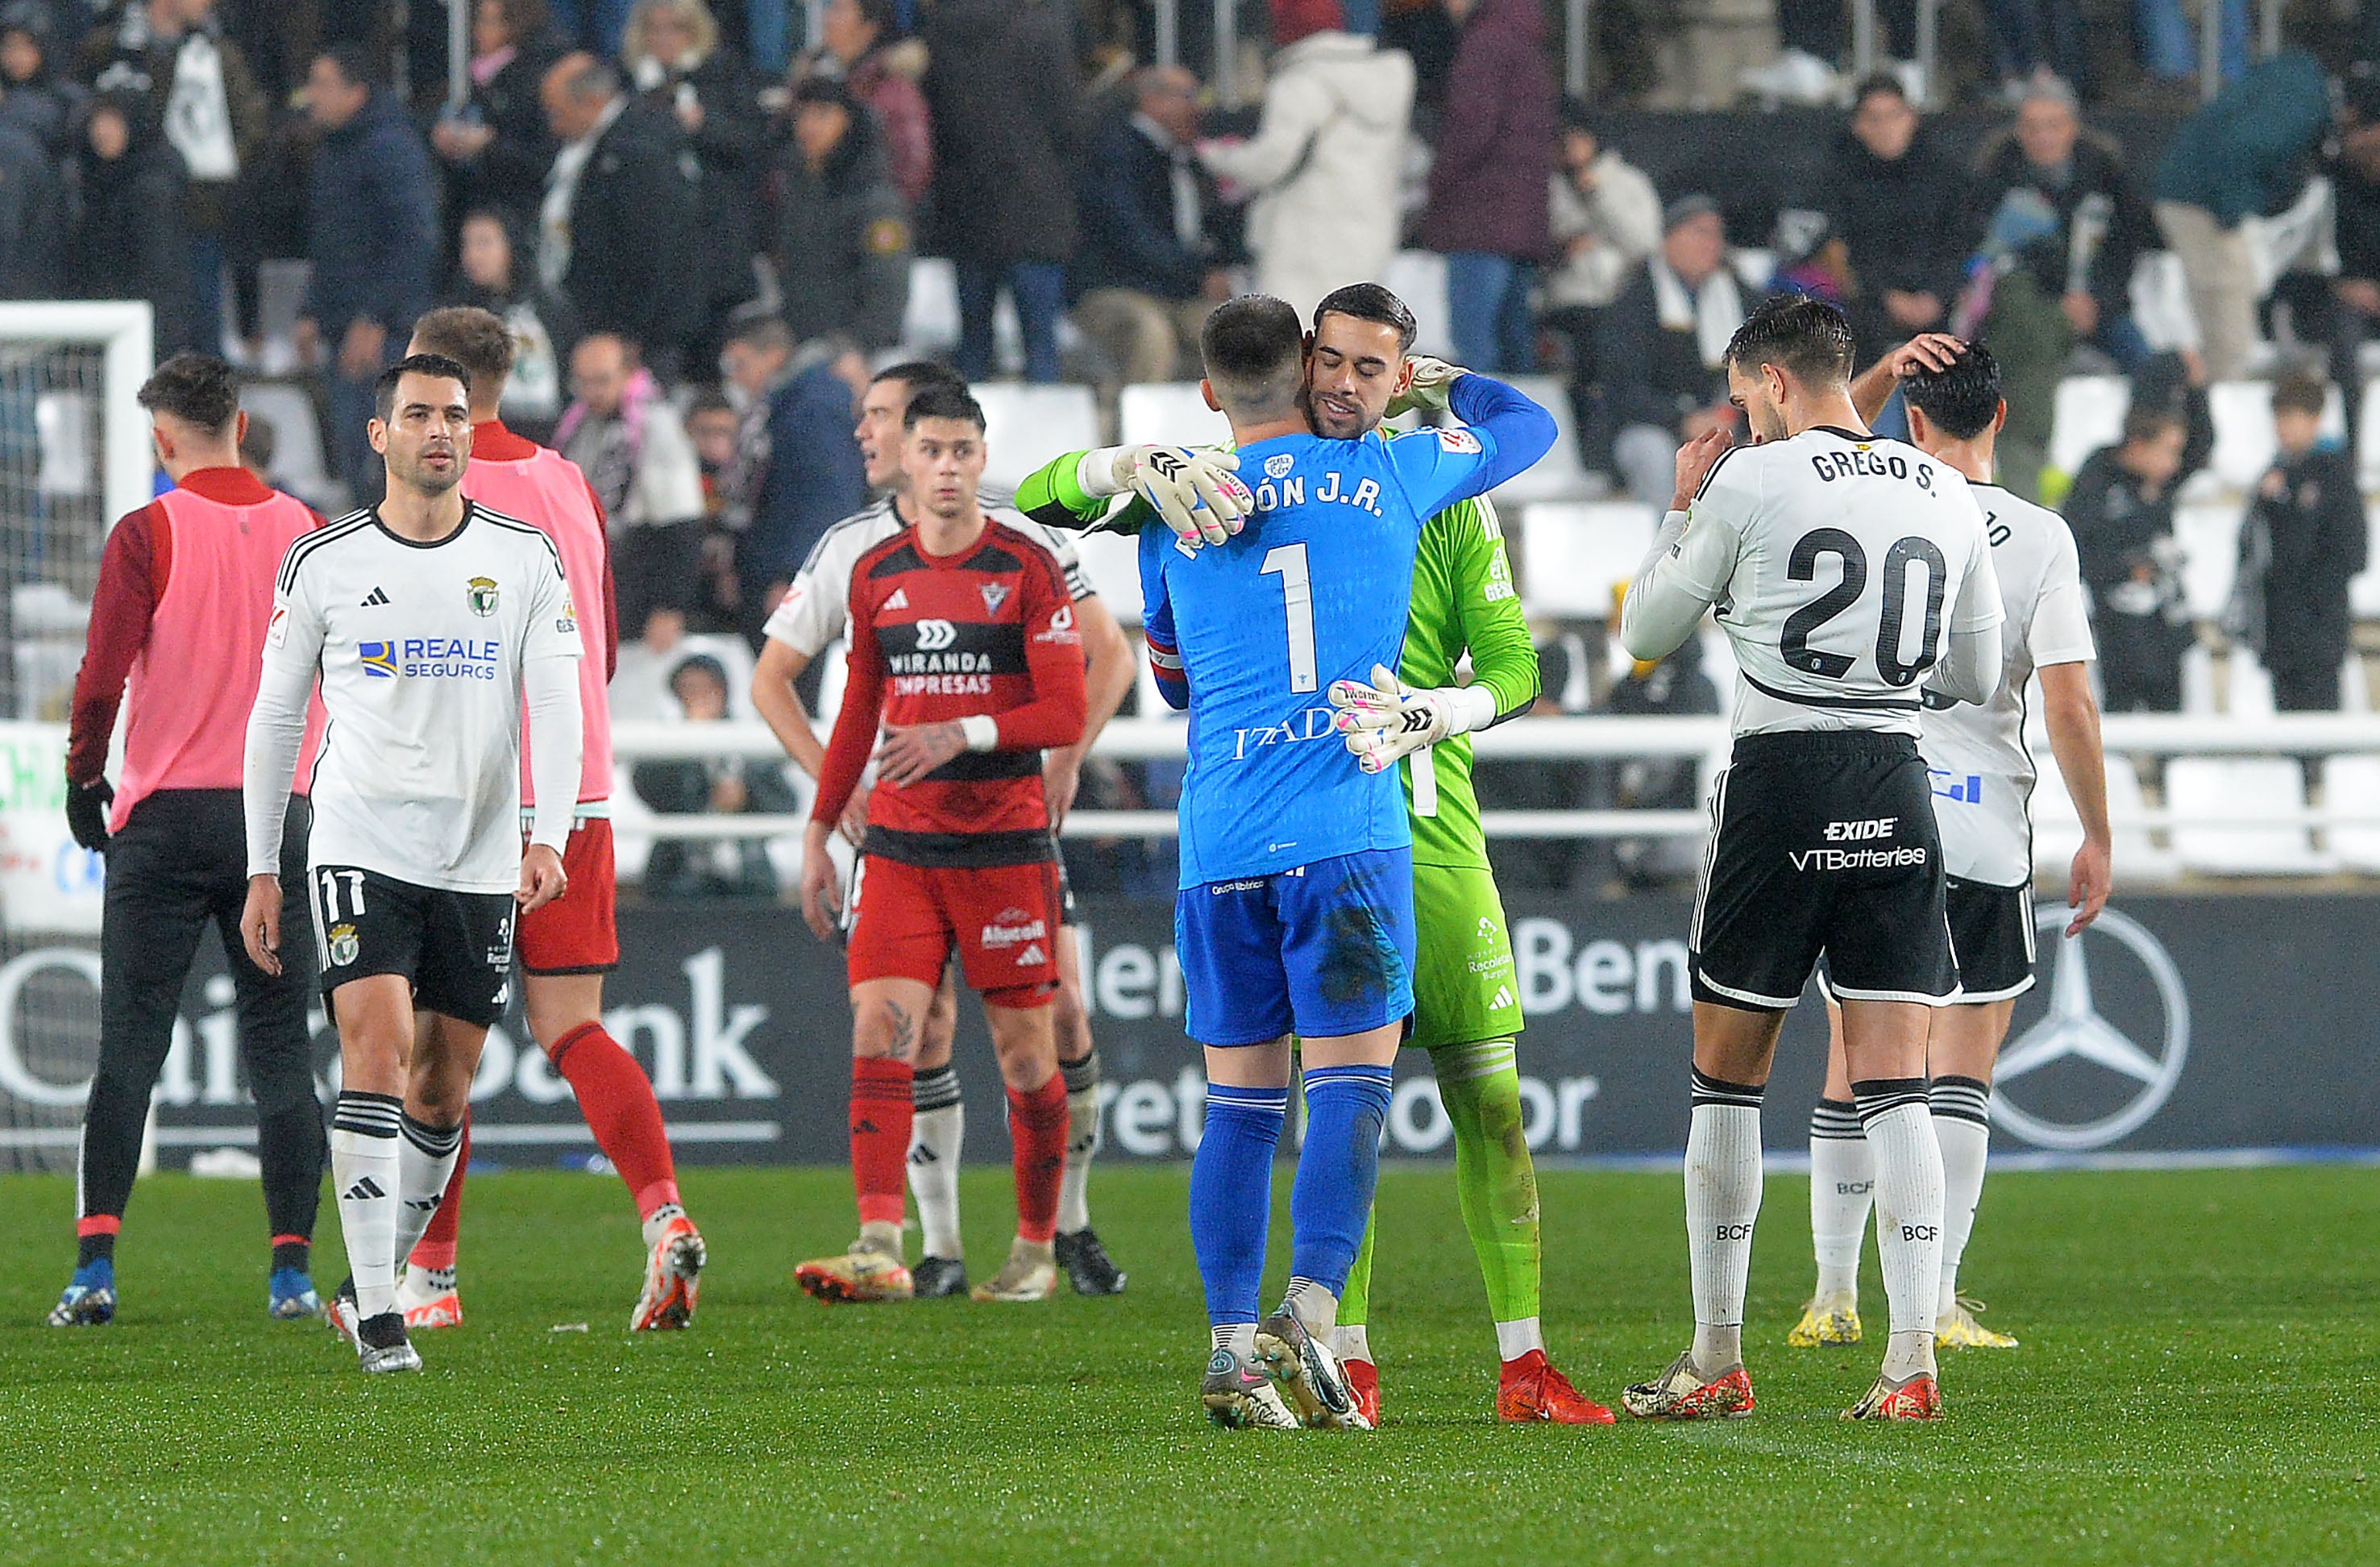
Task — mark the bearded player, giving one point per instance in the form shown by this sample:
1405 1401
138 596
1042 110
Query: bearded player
1466 1010
962 642
1982 784
568 945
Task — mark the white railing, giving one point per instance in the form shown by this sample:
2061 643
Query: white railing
1705 741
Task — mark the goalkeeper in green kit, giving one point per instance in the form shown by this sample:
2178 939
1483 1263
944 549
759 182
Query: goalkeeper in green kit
1468 1010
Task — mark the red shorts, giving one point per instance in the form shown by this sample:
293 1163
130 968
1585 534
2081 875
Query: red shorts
580 931
1001 919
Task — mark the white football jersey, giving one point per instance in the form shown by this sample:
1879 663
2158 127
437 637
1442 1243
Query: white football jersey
420 650
1838 564
817 605
1982 773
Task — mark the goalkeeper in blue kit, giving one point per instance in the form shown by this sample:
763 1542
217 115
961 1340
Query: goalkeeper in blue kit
1466 1012
1294 916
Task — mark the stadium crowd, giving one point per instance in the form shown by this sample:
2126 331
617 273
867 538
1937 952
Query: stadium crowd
705 234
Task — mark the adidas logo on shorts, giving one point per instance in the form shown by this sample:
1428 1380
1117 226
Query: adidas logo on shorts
1503 996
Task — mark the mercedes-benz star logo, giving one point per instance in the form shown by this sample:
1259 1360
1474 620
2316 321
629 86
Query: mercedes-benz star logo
2074 1028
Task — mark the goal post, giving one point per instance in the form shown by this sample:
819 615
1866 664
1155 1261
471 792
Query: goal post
74 456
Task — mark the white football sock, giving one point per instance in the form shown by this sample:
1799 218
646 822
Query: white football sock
1722 1202
658 1220
936 1133
1081 1142
427 1283
1240 1338
1962 1125
1517 1338
1909 1213
1842 1188
364 1173
425 1162
1314 1306
1352 1343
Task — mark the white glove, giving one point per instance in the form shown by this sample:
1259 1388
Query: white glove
1386 720
1197 493
1433 383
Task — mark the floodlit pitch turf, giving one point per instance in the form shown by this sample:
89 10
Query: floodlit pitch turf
2197 1383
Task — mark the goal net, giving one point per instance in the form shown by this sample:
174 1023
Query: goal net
74 455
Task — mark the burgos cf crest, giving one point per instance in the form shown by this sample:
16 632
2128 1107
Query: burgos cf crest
343 945
482 592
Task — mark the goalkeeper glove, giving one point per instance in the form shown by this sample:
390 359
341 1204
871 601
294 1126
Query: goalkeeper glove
1386 720
1197 493
1433 382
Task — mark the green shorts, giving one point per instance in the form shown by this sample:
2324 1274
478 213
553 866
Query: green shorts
1465 988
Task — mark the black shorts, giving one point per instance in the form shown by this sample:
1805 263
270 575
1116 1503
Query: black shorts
1822 845
456 948
1991 939
1065 886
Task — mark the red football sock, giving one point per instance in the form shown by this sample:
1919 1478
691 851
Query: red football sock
881 1117
617 1100
1037 1127
436 1248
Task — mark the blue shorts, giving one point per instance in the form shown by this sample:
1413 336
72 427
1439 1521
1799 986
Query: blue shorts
1324 950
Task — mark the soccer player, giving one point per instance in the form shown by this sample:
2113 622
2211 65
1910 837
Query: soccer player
1853 569
567 945
431 623
813 613
1296 909
185 587
963 643
1982 778
1465 1008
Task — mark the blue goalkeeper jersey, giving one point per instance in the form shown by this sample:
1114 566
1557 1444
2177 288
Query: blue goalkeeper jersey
1317 587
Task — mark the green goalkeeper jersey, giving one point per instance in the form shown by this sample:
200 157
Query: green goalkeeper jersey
1463 602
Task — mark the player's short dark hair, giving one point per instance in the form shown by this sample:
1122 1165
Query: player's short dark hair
478 340
1370 301
1254 348
919 374
1794 333
942 401
709 400
2146 421
354 62
1962 400
2302 391
198 389
438 365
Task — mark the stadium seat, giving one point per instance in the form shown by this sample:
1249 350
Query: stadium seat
931 324
2137 856
1418 277
1113 563
2363 594
2367 437
2160 300
1560 474
296 432
2354 684
2090 414
2352 782
2247 687
1028 425
2251 816
1573 553
2208 532
2057 828
1169 413
2243 430
2200 697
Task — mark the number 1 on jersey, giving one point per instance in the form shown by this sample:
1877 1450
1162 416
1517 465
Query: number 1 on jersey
1288 563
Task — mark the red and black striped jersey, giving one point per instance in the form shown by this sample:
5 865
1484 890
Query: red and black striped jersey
988 631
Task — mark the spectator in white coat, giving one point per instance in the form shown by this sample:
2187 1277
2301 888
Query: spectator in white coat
1323 165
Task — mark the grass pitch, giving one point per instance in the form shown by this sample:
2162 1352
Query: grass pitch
2197 1384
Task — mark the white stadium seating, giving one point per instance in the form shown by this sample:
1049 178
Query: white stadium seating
1169 413
2240 816
297 433
1560 474
1418 277
2243 430
1113 563
2090 414
1573 553
1028 425
2352 782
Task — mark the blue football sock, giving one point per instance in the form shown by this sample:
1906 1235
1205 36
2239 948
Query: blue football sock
1345 1108
1231 1196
